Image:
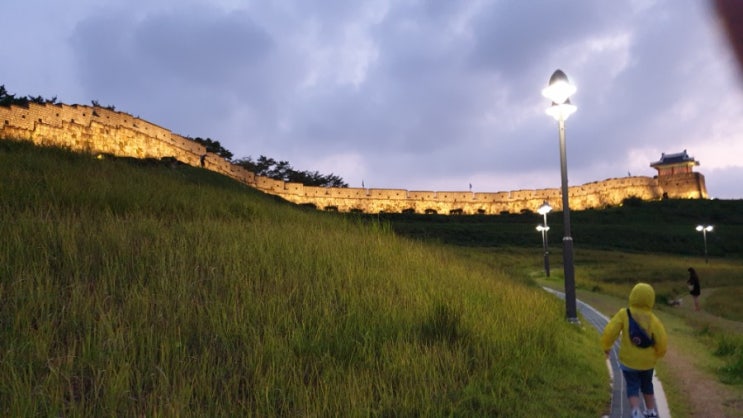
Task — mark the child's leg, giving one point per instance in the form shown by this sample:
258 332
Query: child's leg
646 386
649 401
632 379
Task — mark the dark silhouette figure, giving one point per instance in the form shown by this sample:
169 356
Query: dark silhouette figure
694 287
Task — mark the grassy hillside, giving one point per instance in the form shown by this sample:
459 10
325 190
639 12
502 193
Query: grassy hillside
132 288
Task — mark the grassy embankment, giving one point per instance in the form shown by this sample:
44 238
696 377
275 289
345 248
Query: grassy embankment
135 289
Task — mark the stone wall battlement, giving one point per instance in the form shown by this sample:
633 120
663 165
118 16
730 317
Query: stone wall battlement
97 130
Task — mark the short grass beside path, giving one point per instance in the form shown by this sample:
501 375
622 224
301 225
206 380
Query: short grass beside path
725 302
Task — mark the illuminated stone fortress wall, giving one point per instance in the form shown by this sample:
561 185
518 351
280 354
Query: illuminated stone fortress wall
98 130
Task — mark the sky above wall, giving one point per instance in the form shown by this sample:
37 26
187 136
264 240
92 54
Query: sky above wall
409 94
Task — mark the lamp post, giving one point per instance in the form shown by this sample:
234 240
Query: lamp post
544 210
559 91
704 229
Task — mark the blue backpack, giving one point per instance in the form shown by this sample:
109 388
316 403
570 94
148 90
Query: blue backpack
637 334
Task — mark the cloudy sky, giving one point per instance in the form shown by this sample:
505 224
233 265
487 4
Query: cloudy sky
409 94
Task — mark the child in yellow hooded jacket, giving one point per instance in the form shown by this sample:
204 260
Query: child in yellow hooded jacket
638 363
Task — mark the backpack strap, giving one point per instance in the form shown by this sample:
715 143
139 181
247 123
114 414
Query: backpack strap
644 335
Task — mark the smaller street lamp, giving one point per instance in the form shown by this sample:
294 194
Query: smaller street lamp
704 229
544 210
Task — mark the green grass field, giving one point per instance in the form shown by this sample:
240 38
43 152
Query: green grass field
658 227
132 288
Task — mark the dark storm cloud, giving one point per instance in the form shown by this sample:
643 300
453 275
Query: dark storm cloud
216 49
202 48
410 86
513 37
415 97
171 65
103 52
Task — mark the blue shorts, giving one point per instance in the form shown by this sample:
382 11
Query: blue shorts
638 380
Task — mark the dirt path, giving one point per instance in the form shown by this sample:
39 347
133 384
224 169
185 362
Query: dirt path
706 396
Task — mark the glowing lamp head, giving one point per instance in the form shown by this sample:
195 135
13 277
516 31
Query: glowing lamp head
544 209
561 111
559 88
705 228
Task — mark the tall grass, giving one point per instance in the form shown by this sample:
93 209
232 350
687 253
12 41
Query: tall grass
153 291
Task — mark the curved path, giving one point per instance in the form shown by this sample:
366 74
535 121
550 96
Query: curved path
619 405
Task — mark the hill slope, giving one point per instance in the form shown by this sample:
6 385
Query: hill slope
136 288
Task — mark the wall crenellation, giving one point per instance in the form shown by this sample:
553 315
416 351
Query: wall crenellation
98 130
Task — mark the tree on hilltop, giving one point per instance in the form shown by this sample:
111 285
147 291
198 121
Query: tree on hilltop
214 147
96 104
282 170
7 99
41 100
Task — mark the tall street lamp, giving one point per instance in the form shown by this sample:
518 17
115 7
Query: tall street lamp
544 210
704 229
559 91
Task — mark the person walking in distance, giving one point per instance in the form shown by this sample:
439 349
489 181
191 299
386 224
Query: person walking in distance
694 287
643 342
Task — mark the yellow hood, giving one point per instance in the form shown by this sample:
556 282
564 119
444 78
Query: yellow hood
642 296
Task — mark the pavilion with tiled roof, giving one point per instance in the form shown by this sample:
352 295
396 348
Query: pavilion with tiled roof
678 163
677 178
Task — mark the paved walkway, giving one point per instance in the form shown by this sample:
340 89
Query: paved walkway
619 404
